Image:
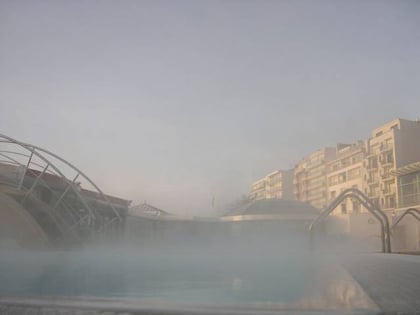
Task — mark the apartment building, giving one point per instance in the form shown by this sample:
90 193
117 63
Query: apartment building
385 167
347 170
258 191
310 178
369 166
391 146
277 184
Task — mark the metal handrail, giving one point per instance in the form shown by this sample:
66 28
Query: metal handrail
412 211
368 204
374 207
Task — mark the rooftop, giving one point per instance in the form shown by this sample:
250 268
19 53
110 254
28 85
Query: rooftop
275 206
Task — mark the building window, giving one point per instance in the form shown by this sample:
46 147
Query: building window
343 208
354 173
345 162
342 177
373 163
409 189
333 180
391 202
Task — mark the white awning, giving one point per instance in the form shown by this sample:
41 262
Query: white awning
408 169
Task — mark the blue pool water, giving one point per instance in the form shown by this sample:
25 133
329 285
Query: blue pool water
187 278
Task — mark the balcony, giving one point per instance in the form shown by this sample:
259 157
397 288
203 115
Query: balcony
389 192
316 185
384 176
386 147
316 175
372 166
371 154
388 180
372 180
315 163
387 163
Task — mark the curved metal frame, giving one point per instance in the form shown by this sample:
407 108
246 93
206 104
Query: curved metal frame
16 162
368 204
412 211
46 156
79 172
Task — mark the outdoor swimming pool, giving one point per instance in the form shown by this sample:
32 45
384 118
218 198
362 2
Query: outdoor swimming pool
184 279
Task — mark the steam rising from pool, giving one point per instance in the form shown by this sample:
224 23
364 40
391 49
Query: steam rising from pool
249 271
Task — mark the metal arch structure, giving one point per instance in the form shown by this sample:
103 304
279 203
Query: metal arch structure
70 209
80 174
354 193
410 211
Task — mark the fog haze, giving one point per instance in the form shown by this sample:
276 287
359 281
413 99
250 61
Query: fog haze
174 102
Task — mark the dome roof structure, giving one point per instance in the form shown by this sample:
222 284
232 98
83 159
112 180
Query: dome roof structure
274 208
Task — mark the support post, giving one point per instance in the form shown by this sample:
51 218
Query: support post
65 192
26 168
34 184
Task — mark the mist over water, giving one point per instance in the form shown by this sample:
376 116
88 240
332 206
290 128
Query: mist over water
255 270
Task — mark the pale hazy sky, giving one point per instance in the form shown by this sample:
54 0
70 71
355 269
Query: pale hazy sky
174 101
